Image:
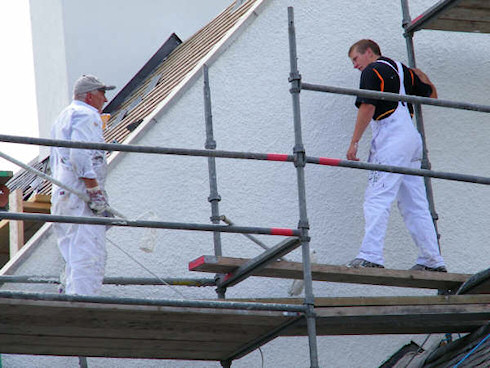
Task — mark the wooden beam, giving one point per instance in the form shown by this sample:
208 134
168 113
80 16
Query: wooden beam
43 198
398 315
364 301
16 227
343 274
36 207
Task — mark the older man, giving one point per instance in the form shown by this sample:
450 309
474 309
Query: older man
82 246
395 141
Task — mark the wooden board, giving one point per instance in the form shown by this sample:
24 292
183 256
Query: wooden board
394 315
332 273
43 198
36 207
134 331
94 327
465 16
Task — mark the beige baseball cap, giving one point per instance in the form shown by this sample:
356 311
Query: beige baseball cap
89 83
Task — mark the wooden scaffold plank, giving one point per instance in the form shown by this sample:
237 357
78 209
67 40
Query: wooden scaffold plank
57 327
343 274
394 315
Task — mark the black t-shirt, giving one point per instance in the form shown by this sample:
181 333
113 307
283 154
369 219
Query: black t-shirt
381 77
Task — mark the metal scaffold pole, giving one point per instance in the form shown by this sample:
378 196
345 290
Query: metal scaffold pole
214 197
420 120
300 162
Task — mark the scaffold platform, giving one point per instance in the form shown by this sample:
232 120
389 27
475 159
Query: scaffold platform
51 324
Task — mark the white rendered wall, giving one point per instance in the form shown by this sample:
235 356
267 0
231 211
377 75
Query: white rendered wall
252 112
111 39
50 63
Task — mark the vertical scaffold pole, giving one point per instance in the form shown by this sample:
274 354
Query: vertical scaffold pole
303 226
420 121
214 197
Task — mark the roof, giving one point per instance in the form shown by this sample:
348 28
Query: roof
455 15
167 72
171 74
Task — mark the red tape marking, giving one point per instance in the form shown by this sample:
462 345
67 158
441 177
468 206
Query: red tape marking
196 263
416 19
280 231
227 276
329 161
277 157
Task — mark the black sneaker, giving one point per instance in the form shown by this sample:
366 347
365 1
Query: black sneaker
362 263
419 267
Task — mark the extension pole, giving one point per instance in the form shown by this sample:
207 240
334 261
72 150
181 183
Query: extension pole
420 122
214 198
84 197
300 162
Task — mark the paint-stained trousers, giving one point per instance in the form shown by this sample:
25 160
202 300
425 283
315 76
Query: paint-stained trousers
82 247
397 142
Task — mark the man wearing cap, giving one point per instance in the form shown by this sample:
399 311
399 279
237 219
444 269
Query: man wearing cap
84 170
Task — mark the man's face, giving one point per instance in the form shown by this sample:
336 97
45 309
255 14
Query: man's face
96 99
361 61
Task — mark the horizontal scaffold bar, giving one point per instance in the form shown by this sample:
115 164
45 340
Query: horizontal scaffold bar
33 279
148 224
398 170
154 302
278 157
395 97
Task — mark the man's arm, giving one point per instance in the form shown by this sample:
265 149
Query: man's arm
425 79
364 116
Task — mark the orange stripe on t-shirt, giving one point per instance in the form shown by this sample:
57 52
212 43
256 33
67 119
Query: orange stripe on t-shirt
383 115
411 74
382 80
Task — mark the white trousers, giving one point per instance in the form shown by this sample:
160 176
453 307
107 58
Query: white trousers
397 142
82 247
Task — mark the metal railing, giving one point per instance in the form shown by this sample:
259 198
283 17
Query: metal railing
298 158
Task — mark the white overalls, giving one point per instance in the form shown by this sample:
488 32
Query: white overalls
397 142
82 246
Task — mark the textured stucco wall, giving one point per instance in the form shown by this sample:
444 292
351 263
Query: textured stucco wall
111 39
252 112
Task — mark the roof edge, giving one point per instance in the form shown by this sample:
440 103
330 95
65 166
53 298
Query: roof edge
430 15
21 256
208 59
163 52
241 25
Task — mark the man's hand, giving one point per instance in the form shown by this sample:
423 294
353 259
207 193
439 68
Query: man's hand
352 152
364 116
98 200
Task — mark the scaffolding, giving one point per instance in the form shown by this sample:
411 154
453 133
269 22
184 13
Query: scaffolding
307 317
